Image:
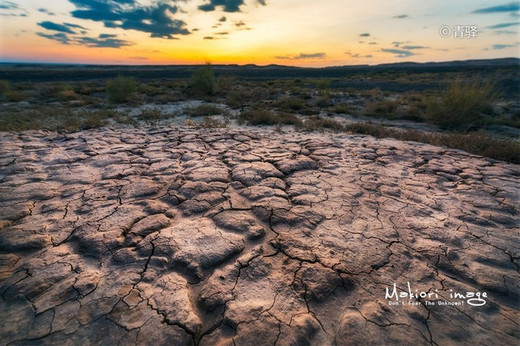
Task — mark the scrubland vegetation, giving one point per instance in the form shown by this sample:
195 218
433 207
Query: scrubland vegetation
463 111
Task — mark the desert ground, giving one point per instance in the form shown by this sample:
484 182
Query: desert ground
143 227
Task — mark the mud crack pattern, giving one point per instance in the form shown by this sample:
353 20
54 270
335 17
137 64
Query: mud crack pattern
235 237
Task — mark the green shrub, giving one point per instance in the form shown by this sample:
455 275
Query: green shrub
151 116
462 105
203 81
225 83
121 89
15 96
237 99
292 104
94 120
5 87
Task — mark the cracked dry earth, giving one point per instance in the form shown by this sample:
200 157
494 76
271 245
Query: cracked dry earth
176 236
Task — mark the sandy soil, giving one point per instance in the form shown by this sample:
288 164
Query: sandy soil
239 237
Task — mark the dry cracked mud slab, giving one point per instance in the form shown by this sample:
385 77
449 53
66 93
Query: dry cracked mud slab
239 237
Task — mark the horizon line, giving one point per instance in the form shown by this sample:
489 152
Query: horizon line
10 62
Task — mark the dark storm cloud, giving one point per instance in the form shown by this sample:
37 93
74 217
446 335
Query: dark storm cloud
510 7
503 25
56 27
127 14
227 5
399 53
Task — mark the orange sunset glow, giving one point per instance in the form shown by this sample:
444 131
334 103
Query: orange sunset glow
291 32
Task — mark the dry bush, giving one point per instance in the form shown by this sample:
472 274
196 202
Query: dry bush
386 108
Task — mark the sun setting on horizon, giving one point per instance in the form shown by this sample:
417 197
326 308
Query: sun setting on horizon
290 32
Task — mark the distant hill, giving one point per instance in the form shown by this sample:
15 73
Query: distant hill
18 72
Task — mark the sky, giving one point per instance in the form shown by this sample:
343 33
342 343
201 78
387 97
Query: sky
313 33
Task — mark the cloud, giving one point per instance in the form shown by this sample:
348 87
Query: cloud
103 42
227 5
366 34
413 47
503 25
70 25
511 7
311 56
60 37
399 53
155 19
401 16
502 46
506 32
8 6
356 55
44 10
303 56
56 27
223 19
107 36
372 43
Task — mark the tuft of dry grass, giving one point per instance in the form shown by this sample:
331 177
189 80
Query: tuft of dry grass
205 110
462 105
317 123
477 143
382 108
266 117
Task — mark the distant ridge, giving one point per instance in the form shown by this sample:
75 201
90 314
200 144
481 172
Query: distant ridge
43 72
